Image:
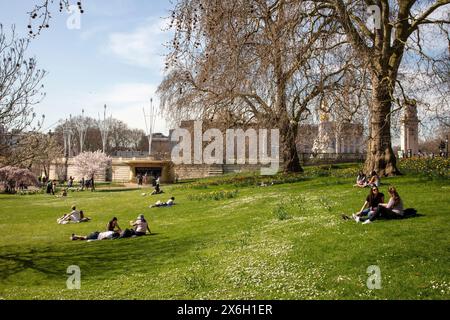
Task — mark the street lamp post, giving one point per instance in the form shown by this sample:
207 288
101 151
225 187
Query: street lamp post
150 121
105 126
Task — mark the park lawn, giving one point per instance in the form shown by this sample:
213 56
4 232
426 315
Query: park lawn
238 248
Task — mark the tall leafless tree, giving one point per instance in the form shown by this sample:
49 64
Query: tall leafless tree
383 47
255 60
20 91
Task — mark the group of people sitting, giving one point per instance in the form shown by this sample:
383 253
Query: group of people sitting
138 228
375 207
74 216
363 181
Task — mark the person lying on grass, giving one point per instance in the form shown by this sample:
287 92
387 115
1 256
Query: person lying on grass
159 204
374 198
107 235
112 232
392 210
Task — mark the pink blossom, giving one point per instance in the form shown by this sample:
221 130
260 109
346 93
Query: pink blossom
90 164
13 177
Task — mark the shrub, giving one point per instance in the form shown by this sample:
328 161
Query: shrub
281 213
215 195
429 167
332 171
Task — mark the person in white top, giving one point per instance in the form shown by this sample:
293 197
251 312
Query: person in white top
106 235
140 226
171 202
159 204
73 216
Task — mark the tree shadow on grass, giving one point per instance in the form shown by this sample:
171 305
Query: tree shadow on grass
99 259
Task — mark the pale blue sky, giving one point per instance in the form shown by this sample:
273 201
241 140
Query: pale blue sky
116 57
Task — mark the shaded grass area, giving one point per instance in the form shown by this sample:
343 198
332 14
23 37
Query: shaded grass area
229 248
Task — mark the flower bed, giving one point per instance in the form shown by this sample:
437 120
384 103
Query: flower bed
429 167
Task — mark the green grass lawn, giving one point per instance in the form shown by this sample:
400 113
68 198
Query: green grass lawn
237 248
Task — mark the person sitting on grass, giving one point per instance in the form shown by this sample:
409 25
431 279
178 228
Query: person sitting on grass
140 226
113 225
63 194
73 216
83 218
361 180
160 204
157 190
392 210
374 198
374 180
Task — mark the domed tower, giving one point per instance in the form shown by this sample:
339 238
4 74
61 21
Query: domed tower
409 139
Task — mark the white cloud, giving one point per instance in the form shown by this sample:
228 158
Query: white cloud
142 47
89 33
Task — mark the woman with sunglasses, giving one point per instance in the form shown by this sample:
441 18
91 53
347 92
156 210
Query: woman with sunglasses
374 198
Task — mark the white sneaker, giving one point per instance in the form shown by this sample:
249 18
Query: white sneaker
367 222
356 218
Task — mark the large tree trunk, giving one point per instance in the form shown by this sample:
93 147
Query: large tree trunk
288 128
380 156
291 160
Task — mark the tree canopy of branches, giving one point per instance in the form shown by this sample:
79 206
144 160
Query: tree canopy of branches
41 14
383 47
271 60
252 61
121 137
34 150
20 91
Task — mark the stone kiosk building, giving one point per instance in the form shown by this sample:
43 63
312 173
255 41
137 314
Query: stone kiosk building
126 166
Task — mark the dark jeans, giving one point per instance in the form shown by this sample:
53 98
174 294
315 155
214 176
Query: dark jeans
381 213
